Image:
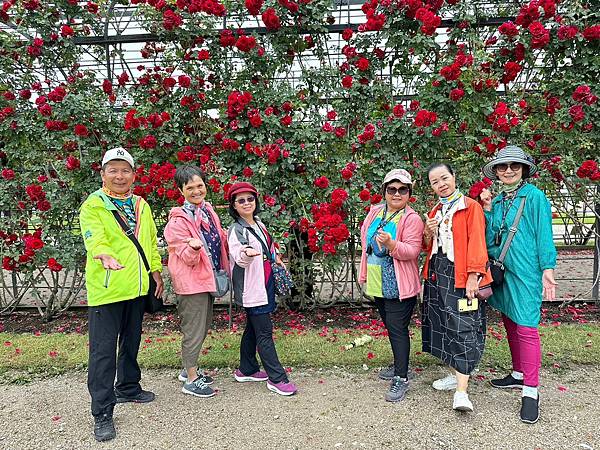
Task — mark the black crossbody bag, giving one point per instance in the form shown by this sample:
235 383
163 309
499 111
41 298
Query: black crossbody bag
152 304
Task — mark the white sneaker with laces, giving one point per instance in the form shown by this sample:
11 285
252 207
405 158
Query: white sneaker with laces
462 402
445 384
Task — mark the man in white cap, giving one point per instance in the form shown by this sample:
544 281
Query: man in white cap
117 283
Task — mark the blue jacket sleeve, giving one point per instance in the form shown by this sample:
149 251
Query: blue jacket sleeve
545 245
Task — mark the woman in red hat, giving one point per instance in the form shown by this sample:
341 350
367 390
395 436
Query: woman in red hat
252 252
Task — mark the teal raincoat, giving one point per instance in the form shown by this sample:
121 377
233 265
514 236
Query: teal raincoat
530 253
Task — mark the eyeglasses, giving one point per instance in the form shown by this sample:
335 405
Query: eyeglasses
241 201
514 166
391 190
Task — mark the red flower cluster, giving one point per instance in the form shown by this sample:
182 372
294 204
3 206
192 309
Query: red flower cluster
567 32
430 21
540 36
72 163
589 169
159 179
583 94
348 171
328 224
56 125
592 33
54 265
57 94
245 43
478 187
254 6
171 20
237 102
368 134
456 94
148 142
8 174
552 166
453 71
425 118
503 118
271 19
254 117
511 70
81 130
375 22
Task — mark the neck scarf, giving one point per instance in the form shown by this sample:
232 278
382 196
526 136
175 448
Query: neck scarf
451 198
198 211
112 194
508 188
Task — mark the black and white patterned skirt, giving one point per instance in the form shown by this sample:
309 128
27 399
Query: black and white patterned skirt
458 339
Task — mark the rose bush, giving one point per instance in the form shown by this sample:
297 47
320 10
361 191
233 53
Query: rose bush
313 126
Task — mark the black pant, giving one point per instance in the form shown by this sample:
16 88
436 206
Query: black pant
396 316
258 335
107 323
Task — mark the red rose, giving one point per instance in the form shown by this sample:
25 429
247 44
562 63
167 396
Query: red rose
53 265
322 182
286 121
72 163
247 172
8 174
364 195
540 36
511 70
45 109
340 132
204 54
245 43
254 6
456 94
107 87
566 33
184 81
363 64
576 113
583 94
66 31
148 142
347 34
508 29
587 169
347 81
592 33
81 130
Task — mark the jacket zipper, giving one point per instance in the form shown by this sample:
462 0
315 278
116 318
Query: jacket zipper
106 278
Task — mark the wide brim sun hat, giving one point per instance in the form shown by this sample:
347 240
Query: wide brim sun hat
509 154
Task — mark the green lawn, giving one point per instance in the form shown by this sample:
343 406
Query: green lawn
24 357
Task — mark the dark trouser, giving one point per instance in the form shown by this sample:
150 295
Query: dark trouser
258 335
396 316
107 323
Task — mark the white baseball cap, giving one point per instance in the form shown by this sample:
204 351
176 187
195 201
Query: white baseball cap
398 174
118 153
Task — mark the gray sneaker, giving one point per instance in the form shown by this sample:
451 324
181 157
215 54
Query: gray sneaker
398 390
206 378
197 388
387 373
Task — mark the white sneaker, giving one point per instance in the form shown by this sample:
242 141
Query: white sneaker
462 402
445 384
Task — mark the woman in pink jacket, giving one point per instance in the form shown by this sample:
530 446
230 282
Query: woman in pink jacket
252 253
197 242
391 237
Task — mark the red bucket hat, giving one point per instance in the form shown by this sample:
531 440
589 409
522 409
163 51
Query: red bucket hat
242 186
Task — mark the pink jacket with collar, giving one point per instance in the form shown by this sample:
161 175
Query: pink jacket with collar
191 270
409 238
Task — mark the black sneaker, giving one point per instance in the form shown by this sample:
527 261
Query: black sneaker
507 382
142 397
104 427
398 390
387 373
530 409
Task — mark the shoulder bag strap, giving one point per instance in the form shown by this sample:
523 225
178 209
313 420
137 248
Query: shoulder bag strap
266 251
129 232
207 250
511 231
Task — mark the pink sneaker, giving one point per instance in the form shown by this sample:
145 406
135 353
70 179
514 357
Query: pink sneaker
282 388
257 376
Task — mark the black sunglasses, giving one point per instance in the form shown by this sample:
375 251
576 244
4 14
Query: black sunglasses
391 190
241 201
514 166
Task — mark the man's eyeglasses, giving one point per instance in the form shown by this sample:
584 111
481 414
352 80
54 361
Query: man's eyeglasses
504 167
391 190
241 201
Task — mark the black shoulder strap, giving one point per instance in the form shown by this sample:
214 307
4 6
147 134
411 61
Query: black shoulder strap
266 251
129 232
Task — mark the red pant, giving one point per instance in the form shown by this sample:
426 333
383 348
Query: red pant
525 350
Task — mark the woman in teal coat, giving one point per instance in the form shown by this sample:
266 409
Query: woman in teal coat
529 263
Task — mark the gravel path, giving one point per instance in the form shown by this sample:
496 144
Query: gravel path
334 409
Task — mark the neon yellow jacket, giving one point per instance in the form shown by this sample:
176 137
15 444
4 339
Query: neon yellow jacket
103 235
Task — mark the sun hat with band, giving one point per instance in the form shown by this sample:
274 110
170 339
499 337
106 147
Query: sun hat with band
116 154
397 174
241 186
509 154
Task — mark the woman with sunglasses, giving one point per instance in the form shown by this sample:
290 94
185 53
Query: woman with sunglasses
251 250
529 268
391 237
453 316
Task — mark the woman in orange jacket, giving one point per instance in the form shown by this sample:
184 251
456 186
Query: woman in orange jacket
453 311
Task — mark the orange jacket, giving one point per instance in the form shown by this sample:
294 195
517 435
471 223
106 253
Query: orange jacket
470 251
